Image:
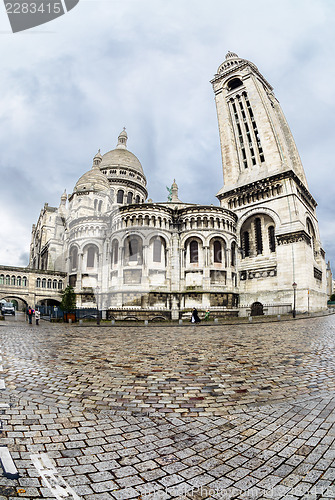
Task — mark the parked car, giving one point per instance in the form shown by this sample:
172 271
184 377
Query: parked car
8 308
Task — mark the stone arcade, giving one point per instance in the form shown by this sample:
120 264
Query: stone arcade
125 254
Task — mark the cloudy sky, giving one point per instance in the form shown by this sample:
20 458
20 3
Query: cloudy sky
67 88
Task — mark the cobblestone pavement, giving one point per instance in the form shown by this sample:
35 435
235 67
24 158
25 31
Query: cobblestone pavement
196 412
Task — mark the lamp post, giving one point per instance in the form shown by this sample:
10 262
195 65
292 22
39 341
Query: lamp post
98 310
294 298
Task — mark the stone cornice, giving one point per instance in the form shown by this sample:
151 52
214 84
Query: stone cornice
267 181
294 237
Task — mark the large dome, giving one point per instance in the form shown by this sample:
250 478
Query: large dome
121 157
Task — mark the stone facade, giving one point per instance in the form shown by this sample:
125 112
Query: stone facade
123 253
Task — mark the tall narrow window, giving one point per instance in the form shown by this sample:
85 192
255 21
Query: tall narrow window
194 252
100 206
272 241
2 278
246 244
91 252
217 252
13 280
137 199
233 254
44 283
120 195
24 281
130 198
95 204
54 284
115 252
73 258
258 234
18 281
157 250
38 282
7 280
133 249
49 283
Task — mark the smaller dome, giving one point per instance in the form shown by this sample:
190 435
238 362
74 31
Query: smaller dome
93 180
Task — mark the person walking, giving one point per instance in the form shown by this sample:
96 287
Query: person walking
30 313
37 316
195 318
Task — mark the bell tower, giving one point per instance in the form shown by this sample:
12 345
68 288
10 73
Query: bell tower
265 185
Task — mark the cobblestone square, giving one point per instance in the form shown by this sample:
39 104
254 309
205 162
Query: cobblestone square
221 411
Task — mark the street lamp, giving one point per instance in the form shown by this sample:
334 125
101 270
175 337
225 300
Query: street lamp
294 298
98 310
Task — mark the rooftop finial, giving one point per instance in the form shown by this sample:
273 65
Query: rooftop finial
122 139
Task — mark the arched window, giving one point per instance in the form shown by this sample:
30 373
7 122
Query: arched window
100 206
91 257
49 283
24 281
133 249
120 195
234 83
73 258
194 252
130 198
18 281
13 280
272 241
233 254
7 280
95 204
217 247
137 199
44 283
60 285
115 252
54 284
38 283
157 250
2 279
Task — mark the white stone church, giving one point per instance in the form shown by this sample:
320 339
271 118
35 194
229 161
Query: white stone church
259 252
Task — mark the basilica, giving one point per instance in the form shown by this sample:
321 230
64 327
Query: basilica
257 252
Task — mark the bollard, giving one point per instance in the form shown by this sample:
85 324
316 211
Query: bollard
80 321
113 321
180 321
216 320
250 319
146 322
278 317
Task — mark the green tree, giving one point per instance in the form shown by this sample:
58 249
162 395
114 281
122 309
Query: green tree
332 298
68 299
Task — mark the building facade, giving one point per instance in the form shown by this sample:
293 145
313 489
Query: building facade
258 252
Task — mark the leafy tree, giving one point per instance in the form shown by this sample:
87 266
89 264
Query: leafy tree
332 298
68 299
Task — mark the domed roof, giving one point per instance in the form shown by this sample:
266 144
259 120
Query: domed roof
121 156
93 180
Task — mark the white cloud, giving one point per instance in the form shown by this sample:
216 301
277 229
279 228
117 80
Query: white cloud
68 88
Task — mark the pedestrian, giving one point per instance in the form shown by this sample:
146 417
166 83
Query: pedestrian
30 315
195 318
207 315
37 316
